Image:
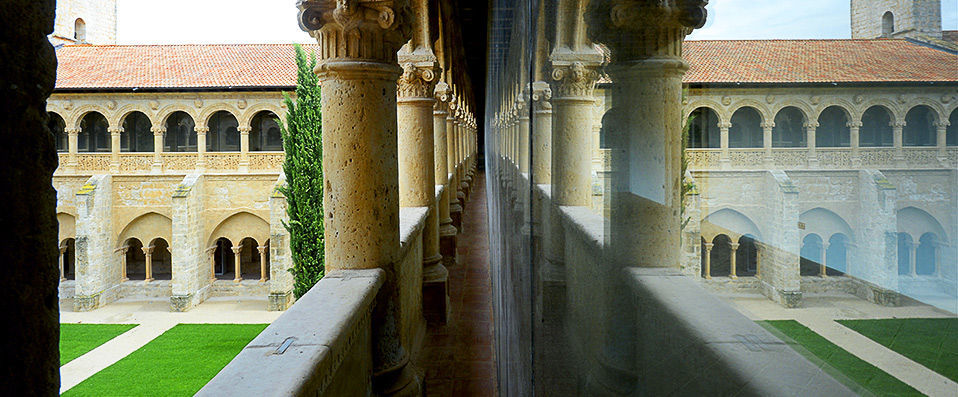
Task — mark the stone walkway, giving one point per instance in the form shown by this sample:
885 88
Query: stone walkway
819 315
154 318
458 357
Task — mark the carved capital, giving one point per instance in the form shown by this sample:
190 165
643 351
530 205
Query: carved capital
244 130
417 81
158 130
371 30
114 130
72 131
574 80
541 96
443 96
635 29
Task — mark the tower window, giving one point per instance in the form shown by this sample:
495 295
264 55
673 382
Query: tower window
79 30
887 24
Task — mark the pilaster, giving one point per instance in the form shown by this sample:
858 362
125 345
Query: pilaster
97 267
191 274
280 259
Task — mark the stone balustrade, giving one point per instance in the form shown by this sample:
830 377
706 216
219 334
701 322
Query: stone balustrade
827 158
142 163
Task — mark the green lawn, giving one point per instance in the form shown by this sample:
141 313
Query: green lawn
78 339
177 363
932 342
857 370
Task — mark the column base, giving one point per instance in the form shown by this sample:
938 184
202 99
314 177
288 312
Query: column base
181 303
455 213
447 245
86 303
279 301
435 292
790 299
399 381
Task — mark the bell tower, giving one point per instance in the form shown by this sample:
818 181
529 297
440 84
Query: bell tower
84 22
872 19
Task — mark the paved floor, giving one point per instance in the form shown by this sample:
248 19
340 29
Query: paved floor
154 318
458 357
819 314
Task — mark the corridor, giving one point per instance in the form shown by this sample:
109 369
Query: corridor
458 357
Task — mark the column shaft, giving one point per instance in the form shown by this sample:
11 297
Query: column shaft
262 263
732 263
237 258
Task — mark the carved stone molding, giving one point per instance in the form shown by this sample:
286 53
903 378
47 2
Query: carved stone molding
575 80
371 30
417 81
635 29
541 95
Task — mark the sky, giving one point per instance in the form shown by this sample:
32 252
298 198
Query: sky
274 21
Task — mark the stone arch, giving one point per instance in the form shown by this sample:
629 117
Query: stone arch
265 132
802 106
836 254
147 228
746 257
246 117
222 132
789 129
720 110
824 223
180 133
203 119
730 222
67 226
887 24
811 255
916 222
170 109
761 107
80 112
905 243
79 30
720 258
851 111
895 111
94 133
58 127
927 254
704 129
136 134
920 126
123 112
240 225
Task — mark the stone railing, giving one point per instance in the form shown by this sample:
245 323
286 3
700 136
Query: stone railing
674 327
321 346
142 163
824 158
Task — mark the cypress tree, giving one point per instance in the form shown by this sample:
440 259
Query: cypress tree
302 141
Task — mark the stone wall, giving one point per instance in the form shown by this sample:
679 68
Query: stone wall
911 17
98 15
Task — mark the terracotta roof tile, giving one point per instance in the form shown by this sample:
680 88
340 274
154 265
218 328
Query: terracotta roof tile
718 61
817 61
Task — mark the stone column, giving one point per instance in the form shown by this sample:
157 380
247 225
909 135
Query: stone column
854 141
941 139
417 172
262 262
244 148
734 250
810 128
572 88
767 141
912 258
897 127
72 148
211 251
115 149
824 266
237 258
360 159
157 149
447 232
455 207
148 253
723 143
124 274
523 138
61 260
708 260
201 134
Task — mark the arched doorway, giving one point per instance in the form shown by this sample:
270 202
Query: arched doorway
224 133
833 130
721 256
249 259
876 128
265 133
68 259
920 129
223 262
704 131
811 255
161 260
135 260
926 256
746 257
746 129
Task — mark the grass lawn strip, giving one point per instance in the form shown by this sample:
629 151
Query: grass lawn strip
857 370
78 339
932 342
177 363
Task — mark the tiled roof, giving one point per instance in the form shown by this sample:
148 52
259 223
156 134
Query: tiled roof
175 66
817 61
718 61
